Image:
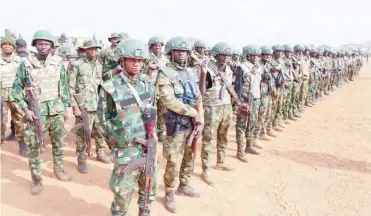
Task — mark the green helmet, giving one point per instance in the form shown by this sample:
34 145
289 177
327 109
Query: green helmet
199 43
132 48
307 48
122 36
277 47
89 44
222 48
266 50
42 35
155 40
313 50
237 52
8 39
288 48
299 47
320 50
250 49
177 43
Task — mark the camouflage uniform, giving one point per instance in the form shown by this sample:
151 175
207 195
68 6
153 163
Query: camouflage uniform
287 111
107 56
304 63
315 76
298 82
50 77
334 72
328 69
218 113
84 78
248 78
121 121
8 70
177 89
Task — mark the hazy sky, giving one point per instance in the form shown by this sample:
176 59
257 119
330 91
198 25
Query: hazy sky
239 22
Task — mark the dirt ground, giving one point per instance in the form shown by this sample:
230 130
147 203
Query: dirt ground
318 166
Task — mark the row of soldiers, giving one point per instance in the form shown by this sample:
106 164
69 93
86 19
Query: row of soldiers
189 88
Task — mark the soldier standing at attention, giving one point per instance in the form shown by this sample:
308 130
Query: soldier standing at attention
49 84
84 78
107 56
9 63
248 78
178 90
120 112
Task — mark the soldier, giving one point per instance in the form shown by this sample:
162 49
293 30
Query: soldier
303 64
328 68
110 51
178 90
107 56
267 93
157 59
334 71
248 77
84 77
199 51
298 81
287 106
49 81
120 111
278 74
9 62
218 109
314 76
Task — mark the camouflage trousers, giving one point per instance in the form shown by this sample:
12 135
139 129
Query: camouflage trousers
179 159
313 86
265 114
276 108
218 119
247 125
17 115
351 74
304 88
55 126
122 187
295 99
160 118
95 134
287 100
326 84
333 81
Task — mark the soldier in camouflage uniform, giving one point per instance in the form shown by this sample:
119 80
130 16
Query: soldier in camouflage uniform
314 76
298 82
157 59
218 110
287 107
9 63
328 69
268 91
84 78
199 51
49 80
121 120
247 87
178 90
303 64
107 56
334 71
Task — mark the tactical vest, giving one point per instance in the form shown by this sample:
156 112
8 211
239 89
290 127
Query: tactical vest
187 91
251 79
305 65
127 122
288 72
267 81
46 77
87 84
8 71
218 94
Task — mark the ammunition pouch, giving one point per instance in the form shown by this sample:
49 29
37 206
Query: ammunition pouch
176 123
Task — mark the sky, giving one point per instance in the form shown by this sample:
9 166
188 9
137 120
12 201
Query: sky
238 22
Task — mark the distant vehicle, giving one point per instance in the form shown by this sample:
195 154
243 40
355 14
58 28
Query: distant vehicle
68 51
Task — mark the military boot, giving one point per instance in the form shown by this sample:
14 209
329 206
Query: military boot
308 104
23 150
206 178
170 202
187 190
61 174
82 166
255 143
36 188
281 124
286 121
264 136
103 157
143 212
250 149
271 133
292 118
10 137
223 167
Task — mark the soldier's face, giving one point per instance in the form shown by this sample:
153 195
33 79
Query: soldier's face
91 53
252 58
156 48
180 56
81 52
43 47
235 57
200 50
114 41
222 59
277 54
288 54
207 53
7 48
132 66
265 57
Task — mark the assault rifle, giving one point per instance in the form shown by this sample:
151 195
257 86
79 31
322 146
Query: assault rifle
84 125
33 105
149 158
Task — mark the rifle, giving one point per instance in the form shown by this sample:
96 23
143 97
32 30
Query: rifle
84 125
149 158
214 72
192 142
33 105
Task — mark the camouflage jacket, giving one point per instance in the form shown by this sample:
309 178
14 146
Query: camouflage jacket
120 117
84 77
160 61
108 51
252 75
168 86
40 73
8 70
108 65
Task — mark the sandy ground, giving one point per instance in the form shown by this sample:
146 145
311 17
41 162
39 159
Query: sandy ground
318 166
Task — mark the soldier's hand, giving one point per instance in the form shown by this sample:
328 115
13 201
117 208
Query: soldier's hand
200 128
76 111
29 116
65 115
196 119
118 69
152 66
